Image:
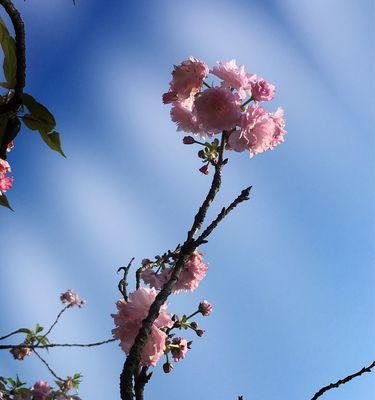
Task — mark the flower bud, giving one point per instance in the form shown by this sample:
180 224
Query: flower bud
188 140
199 332
205 170
205 308
194 325
167 367
201 154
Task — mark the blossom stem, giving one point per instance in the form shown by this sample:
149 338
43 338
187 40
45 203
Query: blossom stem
247 102
192 315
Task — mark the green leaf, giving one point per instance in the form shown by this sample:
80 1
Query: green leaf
38 328
4 201
53 141
10 60
25 330
39 112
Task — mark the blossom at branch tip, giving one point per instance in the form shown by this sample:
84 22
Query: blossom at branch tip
260 131
191 274
205 308
6 182
20 353
41 390
262 90
187 79
128 321
232 76
71 299
179 352
217 109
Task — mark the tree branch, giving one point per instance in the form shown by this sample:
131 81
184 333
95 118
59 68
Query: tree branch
10 334
132 360
19 29
49 345
47 365
342 381
223 213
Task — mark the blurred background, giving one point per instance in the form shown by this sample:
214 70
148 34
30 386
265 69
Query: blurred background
291 272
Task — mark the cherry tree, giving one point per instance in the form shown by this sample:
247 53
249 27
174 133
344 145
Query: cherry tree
222 110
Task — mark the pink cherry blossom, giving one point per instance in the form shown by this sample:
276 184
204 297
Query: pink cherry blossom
128 321
232 76
262 90
260 131
179 352
192 273
205 308
187 79
217 109
6 182
41 390
183 115
71 299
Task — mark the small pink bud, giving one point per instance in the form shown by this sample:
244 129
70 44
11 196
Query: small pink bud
205 170
188 140
205 308
194 325
199 332
167 367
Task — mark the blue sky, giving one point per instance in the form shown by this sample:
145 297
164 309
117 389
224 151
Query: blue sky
291 272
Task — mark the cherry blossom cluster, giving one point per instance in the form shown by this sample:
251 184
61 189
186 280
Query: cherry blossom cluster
14 389
131 312
6 181
231 106
71 299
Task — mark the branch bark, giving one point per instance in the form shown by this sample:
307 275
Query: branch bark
342 381
19 29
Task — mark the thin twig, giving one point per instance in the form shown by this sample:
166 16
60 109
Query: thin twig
49 345
342 381
123 284
54 323
10 334
47 365
223 213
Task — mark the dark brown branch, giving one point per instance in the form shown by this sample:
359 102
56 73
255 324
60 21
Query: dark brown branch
215 187
10 334
47 365
223 213
342 381
140 382
14 103
132 360
49 345
123 284
54 323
